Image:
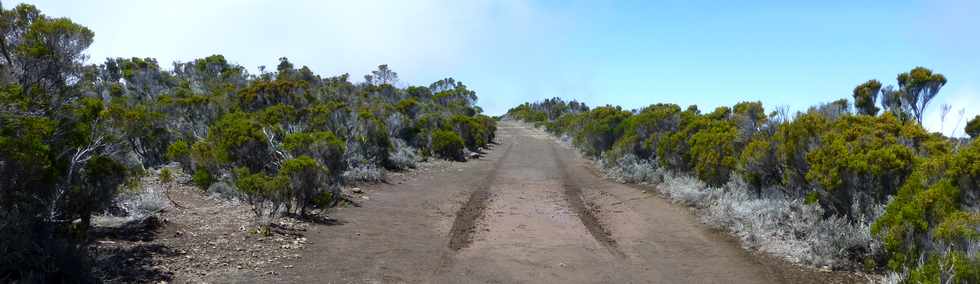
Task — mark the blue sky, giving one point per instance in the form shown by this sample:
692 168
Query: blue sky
629 53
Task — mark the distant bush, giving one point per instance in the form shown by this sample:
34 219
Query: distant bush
601 127
448 145
713 152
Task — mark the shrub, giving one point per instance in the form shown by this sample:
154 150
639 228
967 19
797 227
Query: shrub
323 146
238 140
632 169
307 180
793 142
861 159
601 127
644 131
141 203
266 194
180 152
448 145
403 156
364 173
713 152
757 164
926 221
673 152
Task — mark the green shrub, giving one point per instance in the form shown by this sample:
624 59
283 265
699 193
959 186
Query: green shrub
644 131
323 146
674 152
448 145
601 127
203 178
757 164
793 142
180 152
166 176
266 194
713 152
307 180
864 157
926 218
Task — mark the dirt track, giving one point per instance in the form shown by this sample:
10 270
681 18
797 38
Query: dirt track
530 211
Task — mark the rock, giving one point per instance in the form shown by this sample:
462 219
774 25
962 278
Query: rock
357 190
365 197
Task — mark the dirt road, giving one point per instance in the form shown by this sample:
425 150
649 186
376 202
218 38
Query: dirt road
530 211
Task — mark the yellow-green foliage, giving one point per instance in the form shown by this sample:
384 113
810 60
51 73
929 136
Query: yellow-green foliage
323 146
306 179
926 216
675 151
447 144
601 127
845 163
713 152
757 163
794 140
643 131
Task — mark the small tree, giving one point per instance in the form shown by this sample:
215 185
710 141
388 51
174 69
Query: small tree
973 127
266 194
919 86
307 180
865 96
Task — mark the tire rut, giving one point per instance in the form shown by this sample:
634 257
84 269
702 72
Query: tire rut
586 214
464 225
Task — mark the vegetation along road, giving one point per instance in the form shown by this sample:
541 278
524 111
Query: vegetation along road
519 215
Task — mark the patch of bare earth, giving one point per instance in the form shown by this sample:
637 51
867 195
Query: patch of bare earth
200 239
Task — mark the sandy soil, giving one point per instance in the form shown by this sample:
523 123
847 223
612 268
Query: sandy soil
530 211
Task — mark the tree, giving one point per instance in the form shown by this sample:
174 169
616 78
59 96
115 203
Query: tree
891 100
60 157
973 127
384 76
919 86
865 96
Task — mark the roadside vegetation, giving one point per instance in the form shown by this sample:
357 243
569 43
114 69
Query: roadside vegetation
862 187
76 139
